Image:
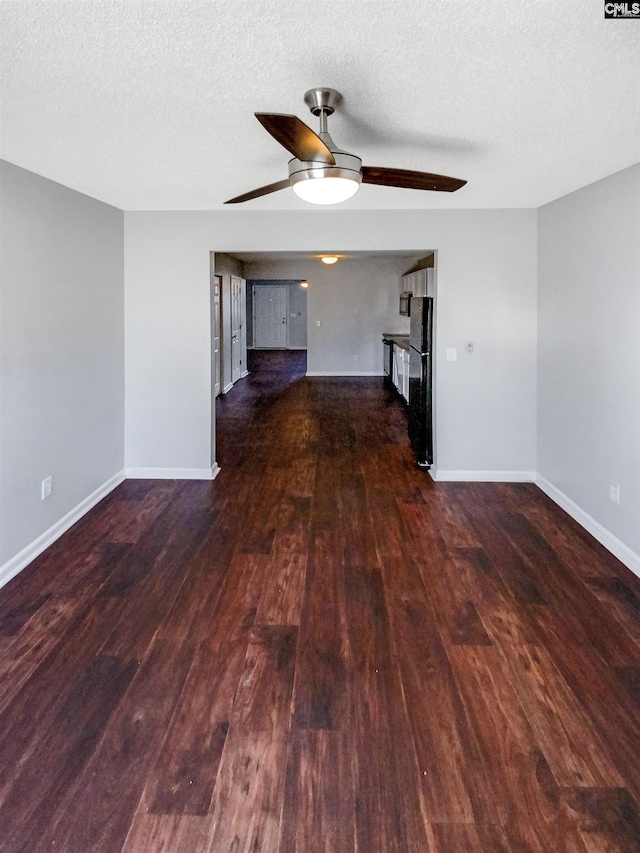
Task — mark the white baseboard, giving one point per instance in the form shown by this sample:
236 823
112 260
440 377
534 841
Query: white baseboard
16 564
604 537
482 476
244 373
342 373
227 388
172 473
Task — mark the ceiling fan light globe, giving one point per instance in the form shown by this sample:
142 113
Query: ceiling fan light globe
325 190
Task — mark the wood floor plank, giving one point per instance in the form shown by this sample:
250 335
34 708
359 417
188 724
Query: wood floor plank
451 523
283 590
58 761
183 776
319 808
629 678
205 574
524 788
580 551
552 574
152 833
321 694
12 620
386 777
566 735
27 719
602 695
358 542
301 475
508 568
430 696
605 816
263 698
153 576
621 601
469 837
249 792
21 657
456 613
508 623
99 809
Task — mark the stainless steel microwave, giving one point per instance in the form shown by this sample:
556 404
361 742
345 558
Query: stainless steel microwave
405 304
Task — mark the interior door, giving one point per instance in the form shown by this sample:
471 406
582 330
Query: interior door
270 316
236 328
216 365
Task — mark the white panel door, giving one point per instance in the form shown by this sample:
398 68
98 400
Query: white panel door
236 328
270 316
216 361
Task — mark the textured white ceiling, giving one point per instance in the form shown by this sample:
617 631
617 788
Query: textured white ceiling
149 105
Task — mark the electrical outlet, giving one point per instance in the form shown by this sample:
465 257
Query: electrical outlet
47 487
470 347
355 358
452 354
614 492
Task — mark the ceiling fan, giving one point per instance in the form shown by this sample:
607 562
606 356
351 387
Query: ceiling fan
322 173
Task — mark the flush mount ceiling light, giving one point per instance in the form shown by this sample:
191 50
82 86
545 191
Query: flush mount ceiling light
304 283
320 172
329 259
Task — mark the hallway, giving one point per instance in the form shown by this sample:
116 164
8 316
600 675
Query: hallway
322 651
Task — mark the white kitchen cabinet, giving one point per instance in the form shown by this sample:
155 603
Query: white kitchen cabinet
419 283
400 373
396 365
405 375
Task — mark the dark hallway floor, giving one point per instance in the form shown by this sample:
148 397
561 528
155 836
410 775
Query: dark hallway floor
322 651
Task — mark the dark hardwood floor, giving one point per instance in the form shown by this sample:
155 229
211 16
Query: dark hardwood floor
322 651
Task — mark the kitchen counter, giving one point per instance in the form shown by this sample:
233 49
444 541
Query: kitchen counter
400 341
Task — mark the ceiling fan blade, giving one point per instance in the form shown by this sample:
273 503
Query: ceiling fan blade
292 133
410 180
270 188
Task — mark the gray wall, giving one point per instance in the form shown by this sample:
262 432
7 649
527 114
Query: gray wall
298 323
297 309
485 403
589 350
61 352
354 301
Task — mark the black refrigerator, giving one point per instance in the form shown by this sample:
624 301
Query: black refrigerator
421 380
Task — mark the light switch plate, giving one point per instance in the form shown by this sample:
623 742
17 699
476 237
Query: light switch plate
452 354
47 487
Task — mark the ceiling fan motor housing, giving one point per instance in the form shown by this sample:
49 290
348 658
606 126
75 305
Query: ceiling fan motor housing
323 102
347 166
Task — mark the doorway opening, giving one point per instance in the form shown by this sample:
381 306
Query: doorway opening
338 320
